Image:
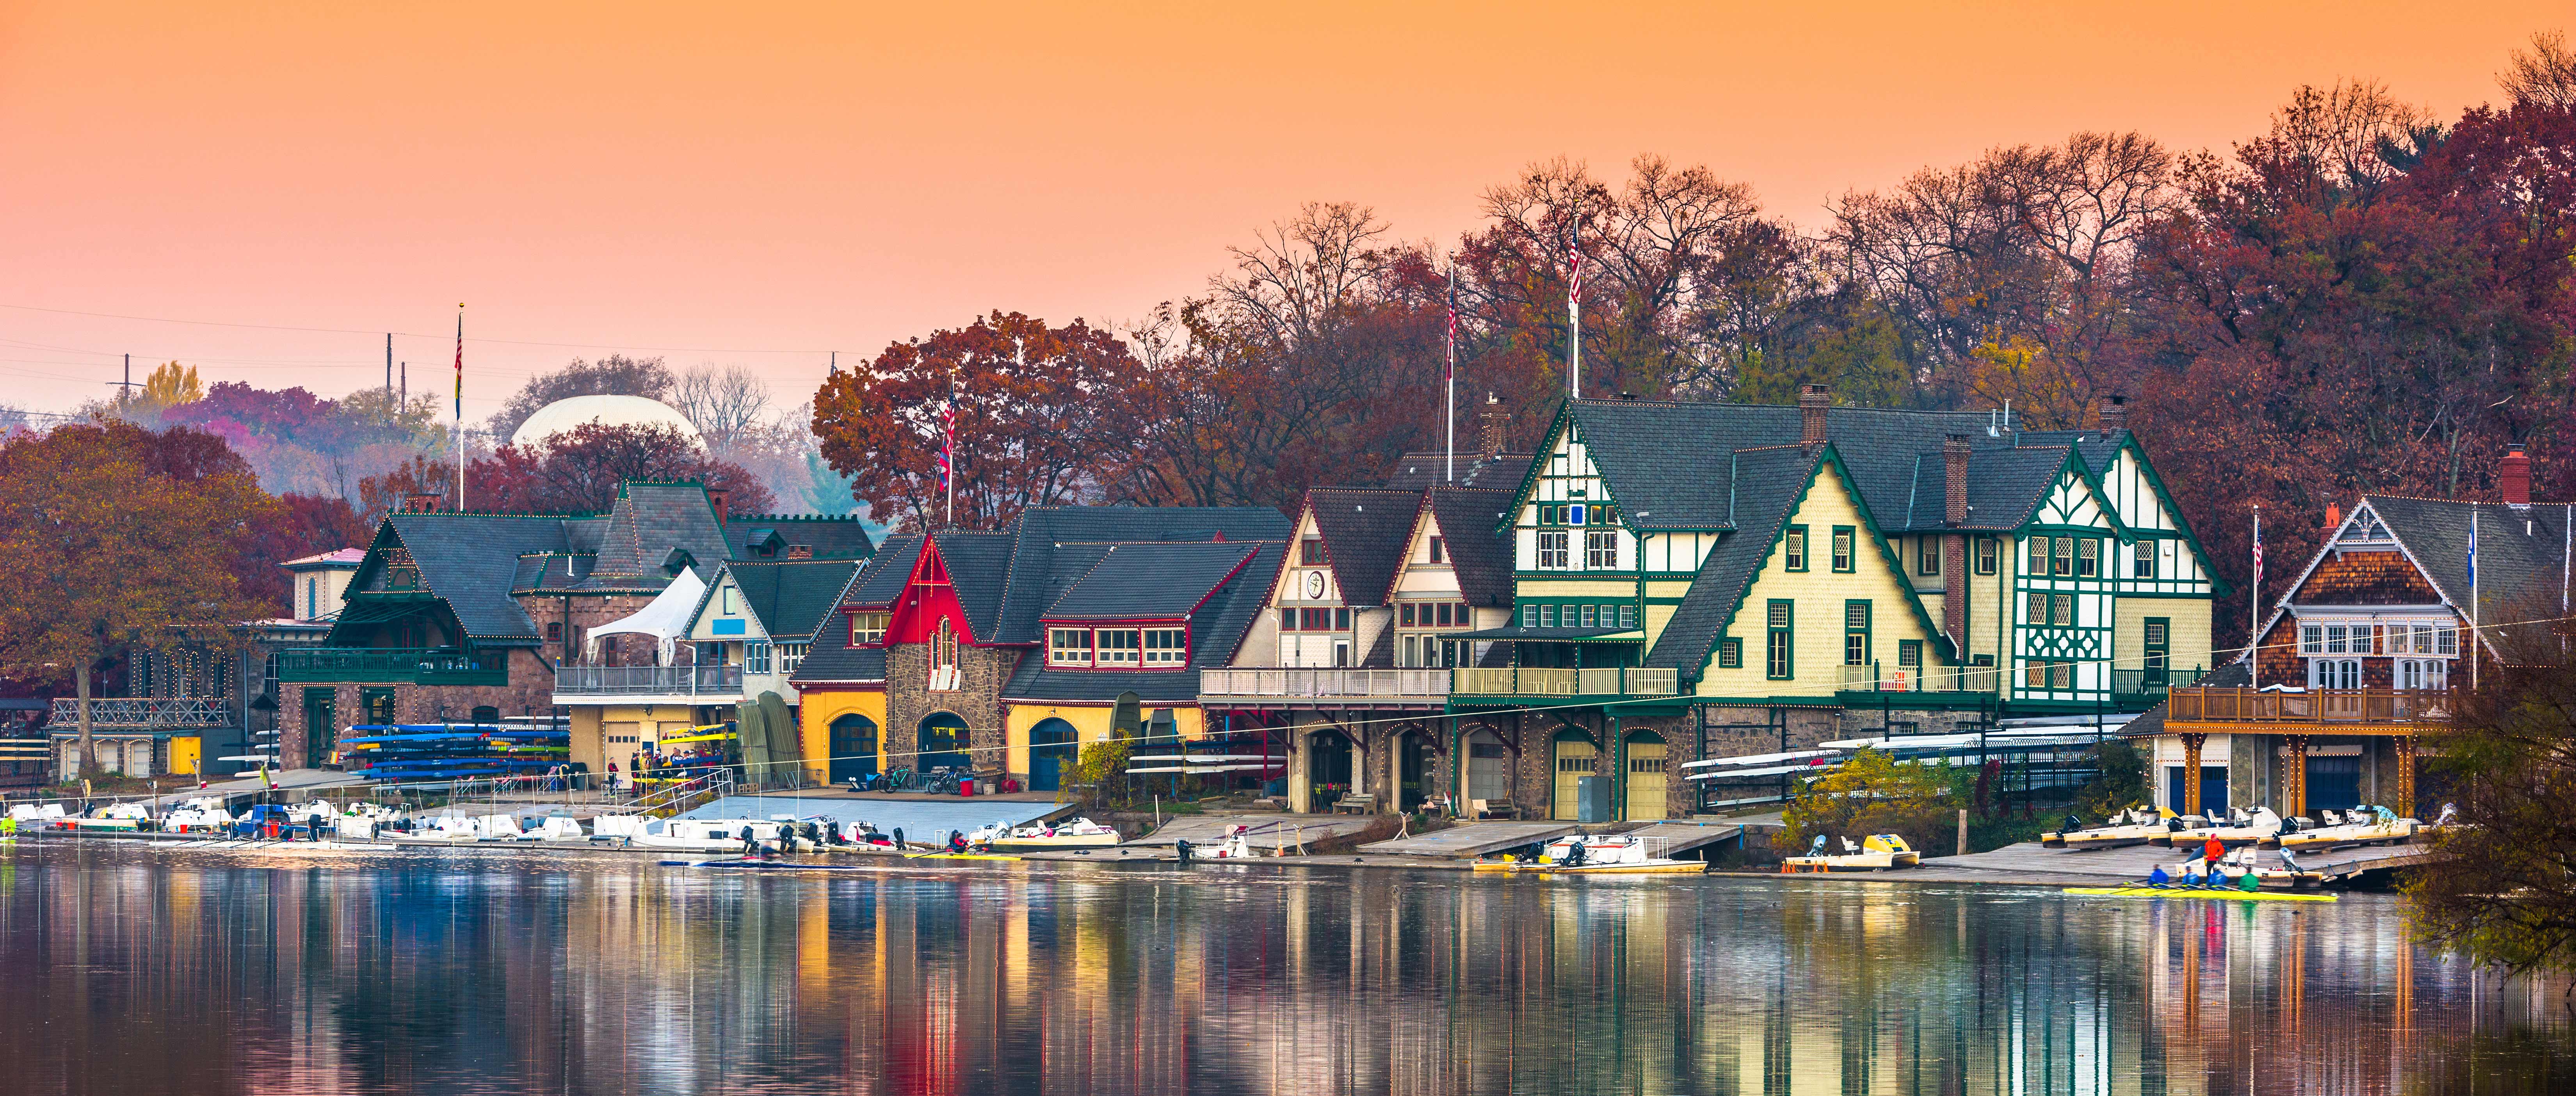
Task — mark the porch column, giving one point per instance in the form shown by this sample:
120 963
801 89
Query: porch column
2191 744
2404 746
2294 776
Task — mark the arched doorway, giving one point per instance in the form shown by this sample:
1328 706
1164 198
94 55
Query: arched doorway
1328 768
1489 768
1575 756
853 748
1413 759
1646 788
1051 754
940 743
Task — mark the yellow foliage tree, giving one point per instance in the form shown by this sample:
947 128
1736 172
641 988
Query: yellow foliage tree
170 386
1871 793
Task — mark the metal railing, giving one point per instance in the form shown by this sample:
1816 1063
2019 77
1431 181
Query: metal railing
2237 705
648 681
2144 682
417 665
1550 681
1326 684
172 712
672 799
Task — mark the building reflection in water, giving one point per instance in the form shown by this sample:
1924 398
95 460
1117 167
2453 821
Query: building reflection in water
464 973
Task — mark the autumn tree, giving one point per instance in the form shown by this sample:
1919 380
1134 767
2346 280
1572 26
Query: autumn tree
574 472
2502 892
117 536
1039 410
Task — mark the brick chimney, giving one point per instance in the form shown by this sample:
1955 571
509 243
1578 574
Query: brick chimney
2115 414
716 496
1954 544
421 502
800 551
2334 516
2513 476
1813 399
1494 423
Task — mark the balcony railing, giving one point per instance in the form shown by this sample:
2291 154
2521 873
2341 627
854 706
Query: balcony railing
706 681
2220 705
2145 682
151 713
417 665
1427 685
1546 681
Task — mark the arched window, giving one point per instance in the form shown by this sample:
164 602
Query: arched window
943 657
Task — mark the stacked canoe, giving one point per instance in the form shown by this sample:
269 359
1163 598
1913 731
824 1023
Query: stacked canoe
452 751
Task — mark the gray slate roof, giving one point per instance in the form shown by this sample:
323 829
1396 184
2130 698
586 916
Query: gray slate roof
790 596
1364 531
472 561
1479 553
979 567
1215 632
2518 571
1043 531
2005 486
1502 471
883 579
1133 581
1770 482
830 538
650 519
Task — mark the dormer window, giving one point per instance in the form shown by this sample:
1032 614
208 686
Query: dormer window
1125 648
1117 647
868 629
1068 647
1165 648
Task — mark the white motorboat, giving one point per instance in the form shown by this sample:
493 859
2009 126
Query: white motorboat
1600 854
442 829
1877 852
1079 833
36 814
710 834
2358 826
560 827
202 815
2134 826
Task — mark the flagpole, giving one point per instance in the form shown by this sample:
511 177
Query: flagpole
2474 635
1574 314
460 407
1449 381
2254 609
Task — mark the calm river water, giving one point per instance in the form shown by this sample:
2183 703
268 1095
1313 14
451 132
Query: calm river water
130 971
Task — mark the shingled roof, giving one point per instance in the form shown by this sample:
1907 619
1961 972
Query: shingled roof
1216 630
1479 552
979 570
1146 581
790 596
2521 552
649 519
829 537
472 562
1772 480
1042 532
1501 471
1364 531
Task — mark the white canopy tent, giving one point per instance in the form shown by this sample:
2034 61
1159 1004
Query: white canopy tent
666 619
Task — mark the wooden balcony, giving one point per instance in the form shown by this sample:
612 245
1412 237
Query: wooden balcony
1419 687
2317 711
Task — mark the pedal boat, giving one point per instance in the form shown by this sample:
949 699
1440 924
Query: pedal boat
1603 854
2135 826
2257 827
2359 826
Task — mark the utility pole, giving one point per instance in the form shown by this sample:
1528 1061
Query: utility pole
406 383
124 388
389 361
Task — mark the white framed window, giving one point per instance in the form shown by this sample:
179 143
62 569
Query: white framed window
2334 673
755 657
945 676
1166 647
1068 646
1601 549
1117 647
2312 639
1553 554
791 656
868 629
730 606
2423 673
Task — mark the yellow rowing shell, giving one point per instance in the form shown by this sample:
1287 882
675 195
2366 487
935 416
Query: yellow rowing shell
2199 892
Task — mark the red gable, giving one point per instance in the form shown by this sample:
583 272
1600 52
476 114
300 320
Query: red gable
928 597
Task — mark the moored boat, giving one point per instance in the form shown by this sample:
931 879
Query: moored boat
1079 833
2358 826
2134 826
1879 852
1599 854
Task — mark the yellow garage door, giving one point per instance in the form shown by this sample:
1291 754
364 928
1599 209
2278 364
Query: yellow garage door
1573 763
1645 778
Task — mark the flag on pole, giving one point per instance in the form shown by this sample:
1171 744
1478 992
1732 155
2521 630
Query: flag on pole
2254 607
948 439
2258 552
2473 548
1452 372
1574 315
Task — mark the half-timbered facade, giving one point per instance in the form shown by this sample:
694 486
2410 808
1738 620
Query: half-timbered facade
1721 578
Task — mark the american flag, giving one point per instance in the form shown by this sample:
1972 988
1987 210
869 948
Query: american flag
1452 372
1574 290
948 442
2258 553
460 363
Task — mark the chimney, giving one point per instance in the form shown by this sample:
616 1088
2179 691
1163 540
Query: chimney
2514 476
800 551
2115 414
420 502
716 496
1813 399
1496 422
1954 544
1954 480
2334 516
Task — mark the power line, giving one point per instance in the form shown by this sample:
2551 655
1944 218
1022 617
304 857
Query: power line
410 334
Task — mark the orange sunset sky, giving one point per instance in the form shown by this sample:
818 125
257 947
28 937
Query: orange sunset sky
761 183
